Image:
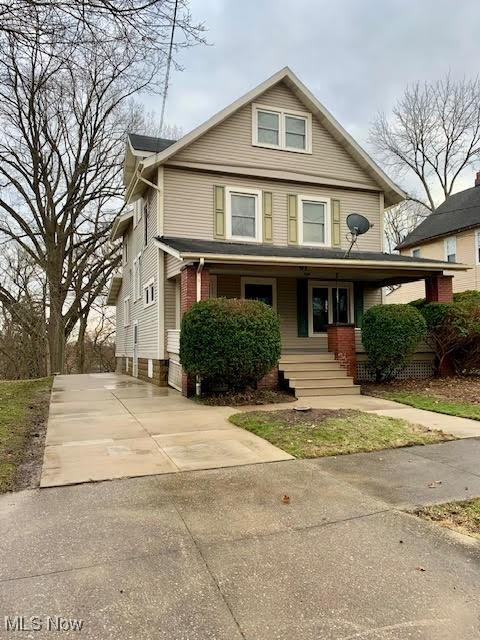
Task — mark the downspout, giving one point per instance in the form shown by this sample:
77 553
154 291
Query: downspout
201 264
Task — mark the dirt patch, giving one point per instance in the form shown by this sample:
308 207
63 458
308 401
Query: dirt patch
460 516
248 397
462 388
30 468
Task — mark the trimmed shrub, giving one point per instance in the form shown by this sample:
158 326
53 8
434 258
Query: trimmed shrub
469 297
390 334
454 333
230 342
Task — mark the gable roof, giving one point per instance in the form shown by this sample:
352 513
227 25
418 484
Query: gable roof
393 193
459 212
150 144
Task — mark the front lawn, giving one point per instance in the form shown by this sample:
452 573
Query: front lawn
458 396
460 516
317 433
23 415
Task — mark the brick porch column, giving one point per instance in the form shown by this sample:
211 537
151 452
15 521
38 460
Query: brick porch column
188 295
439 288
341 342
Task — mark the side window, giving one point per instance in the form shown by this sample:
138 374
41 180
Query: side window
451 249
415 253
149 293
244 221
314 221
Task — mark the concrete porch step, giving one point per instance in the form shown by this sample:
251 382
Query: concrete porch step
323 382
329 365
347 390
288 358
309 374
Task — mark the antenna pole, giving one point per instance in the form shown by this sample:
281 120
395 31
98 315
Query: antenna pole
352 242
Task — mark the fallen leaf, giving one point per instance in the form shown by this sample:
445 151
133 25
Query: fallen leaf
420 568
286 499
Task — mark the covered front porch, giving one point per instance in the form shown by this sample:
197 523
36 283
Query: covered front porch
320 297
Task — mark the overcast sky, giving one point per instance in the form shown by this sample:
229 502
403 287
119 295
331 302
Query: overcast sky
355 56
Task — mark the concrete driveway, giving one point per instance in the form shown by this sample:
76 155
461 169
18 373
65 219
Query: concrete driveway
217 555
105 426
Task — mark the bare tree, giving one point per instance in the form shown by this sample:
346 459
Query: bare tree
432 134
64 113
400 220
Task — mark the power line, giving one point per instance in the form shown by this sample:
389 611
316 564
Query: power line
169 62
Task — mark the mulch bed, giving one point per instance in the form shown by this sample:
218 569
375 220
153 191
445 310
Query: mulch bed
461 388
247 397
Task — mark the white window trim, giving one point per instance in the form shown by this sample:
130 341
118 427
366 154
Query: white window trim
282 113
147 285
258 213
328 224
137 211
445 247
330 285
137 273
254 280
413 252
125 301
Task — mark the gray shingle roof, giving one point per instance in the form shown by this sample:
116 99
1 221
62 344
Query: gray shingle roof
187 245
459 212
149 143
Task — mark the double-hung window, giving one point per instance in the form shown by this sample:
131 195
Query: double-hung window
451 249
149 293
137 278
126 311
281 129
244 216
145 223
314 221
415 253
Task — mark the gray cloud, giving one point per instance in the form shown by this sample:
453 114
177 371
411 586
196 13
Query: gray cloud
356 57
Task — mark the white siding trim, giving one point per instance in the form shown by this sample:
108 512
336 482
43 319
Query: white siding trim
161 305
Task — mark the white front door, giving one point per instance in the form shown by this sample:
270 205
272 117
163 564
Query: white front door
135 350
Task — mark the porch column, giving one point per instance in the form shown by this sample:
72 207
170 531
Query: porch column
341 342
439 288
188 296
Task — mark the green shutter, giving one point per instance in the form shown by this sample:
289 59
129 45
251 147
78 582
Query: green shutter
336 240
292 219
302 307
219 211
358 303
267 216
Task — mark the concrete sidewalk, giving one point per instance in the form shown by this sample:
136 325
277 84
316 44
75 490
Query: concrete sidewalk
104 426
218 555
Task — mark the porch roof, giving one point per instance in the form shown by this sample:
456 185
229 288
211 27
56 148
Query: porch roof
219 251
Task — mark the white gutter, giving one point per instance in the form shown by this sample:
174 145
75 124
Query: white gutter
201 264
324 262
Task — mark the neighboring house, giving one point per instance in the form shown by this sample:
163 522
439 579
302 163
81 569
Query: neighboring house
253 204
451 233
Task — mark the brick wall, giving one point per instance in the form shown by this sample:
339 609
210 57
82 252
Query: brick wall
160 370
439 288
341 342
270 380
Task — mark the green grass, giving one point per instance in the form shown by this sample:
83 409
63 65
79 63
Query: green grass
433 403
23 403
328 433
461 516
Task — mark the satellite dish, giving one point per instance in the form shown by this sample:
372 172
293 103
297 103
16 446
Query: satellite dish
358 225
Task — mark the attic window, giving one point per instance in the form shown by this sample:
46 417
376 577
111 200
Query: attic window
281 129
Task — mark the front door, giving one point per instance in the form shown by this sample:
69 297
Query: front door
319 307
135 350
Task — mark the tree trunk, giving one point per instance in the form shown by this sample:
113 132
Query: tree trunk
81 344
56 341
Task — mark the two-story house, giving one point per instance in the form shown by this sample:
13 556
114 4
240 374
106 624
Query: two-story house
451 233
253 204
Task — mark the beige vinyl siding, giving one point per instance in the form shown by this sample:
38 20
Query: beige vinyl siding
170 305
147 318
189 205
172 266
231 143
228 286
462 280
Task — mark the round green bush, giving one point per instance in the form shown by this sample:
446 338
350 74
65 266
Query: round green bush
230 342
390 334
